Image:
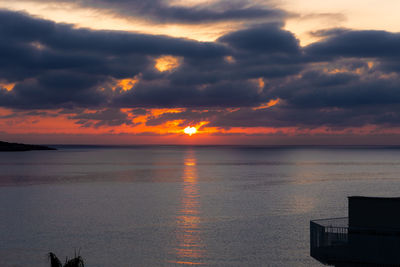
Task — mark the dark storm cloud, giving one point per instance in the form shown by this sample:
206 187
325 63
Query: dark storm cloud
350 78
266 38
162 11
164 94
320 99
345 91
24 30
335 100
223 83
54 90
188 117
212 82
106 117
286 116
347 43
18 114
55 65
139 112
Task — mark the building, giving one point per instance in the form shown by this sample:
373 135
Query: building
369 236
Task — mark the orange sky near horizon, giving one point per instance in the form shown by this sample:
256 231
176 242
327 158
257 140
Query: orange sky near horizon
59 129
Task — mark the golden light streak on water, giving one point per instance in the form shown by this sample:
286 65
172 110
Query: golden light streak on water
190 248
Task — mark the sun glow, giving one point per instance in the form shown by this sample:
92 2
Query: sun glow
190 130
126 84
7 86
166 63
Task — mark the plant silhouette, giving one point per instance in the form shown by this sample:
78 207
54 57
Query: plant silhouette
77 261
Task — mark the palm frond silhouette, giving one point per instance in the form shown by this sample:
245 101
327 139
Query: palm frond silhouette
77 261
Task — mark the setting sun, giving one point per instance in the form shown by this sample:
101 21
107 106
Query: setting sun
190 130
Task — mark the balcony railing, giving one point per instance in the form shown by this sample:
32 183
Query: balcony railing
333 242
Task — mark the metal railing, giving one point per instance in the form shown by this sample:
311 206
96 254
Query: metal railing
328 232
333 241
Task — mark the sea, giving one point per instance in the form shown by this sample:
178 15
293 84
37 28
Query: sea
127 206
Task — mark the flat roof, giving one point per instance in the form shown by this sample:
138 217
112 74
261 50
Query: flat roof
364 197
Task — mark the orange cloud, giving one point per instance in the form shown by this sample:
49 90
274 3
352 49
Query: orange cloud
8 86
125 84
167 63
271 103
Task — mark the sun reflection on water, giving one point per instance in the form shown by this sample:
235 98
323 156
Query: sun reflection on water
190 248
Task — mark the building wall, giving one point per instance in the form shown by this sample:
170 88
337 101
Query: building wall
371 212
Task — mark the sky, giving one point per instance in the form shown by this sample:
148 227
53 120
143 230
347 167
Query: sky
279 72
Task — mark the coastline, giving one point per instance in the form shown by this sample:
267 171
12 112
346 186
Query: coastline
13 147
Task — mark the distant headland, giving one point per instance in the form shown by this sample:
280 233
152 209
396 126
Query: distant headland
5 146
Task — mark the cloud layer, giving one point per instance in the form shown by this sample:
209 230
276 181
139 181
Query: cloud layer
165 11
348 79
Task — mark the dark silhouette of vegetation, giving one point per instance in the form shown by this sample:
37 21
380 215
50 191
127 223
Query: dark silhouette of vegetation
77 261
54 261
4 146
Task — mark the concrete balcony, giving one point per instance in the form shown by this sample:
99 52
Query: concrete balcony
345 242
329 240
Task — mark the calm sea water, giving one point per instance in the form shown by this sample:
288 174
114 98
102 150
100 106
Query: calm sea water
177 206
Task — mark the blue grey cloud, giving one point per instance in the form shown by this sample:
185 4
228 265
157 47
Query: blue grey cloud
58 66
162 11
